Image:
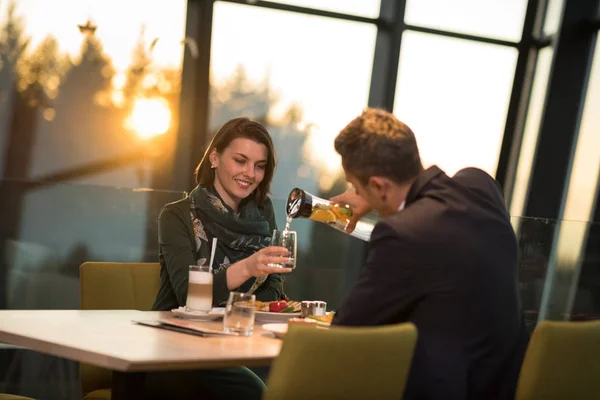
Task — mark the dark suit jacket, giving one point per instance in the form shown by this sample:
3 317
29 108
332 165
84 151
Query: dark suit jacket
448 263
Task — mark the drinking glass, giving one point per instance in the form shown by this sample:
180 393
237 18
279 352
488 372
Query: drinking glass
200 289
239 314
287 239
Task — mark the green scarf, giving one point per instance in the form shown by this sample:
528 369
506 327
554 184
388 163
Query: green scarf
239 236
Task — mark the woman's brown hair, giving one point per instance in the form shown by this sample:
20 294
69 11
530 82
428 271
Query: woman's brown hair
239 128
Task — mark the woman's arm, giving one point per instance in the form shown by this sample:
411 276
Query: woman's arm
271 290
175 239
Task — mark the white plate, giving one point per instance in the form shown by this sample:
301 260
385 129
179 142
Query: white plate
215 313
279 330
264 316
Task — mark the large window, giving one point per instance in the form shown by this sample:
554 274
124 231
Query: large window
87 95
306 83
454 94
305 77
501 19
576 230
97 86
530 136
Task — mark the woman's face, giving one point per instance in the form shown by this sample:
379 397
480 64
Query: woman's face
239 169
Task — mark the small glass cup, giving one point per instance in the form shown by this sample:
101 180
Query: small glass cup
239 314
285 239
200 289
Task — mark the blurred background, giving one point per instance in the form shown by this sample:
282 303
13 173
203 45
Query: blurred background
106 108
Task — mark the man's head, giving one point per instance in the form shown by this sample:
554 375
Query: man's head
380 157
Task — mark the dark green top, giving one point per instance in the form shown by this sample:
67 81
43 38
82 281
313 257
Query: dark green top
177 244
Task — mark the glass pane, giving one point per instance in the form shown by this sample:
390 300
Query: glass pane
586 163
535 244
89 94
531 132
580 205
547 286
566 262
454 94
305 85
363 8
500 19
48 231
94 93
554 12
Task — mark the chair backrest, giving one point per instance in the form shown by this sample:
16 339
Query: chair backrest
562 362
342 363
118 286
114 286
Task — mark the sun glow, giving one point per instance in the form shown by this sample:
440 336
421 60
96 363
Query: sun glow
149 117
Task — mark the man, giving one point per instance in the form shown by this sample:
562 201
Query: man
443 256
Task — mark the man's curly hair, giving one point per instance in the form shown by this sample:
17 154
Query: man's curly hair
376 143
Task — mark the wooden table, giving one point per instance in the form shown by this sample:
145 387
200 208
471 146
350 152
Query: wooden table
109 339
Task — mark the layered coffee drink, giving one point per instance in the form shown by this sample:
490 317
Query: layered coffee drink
200 289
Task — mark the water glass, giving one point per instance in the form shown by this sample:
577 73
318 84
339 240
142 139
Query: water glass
200 289
239 314
287 239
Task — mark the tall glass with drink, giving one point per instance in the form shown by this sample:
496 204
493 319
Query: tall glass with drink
285 238
200 289
239 314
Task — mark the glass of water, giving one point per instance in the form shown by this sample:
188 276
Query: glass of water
239 314
287 239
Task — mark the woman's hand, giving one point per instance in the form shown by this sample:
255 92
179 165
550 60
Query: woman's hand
258 265
360 207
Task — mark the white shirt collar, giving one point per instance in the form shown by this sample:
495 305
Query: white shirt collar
402 205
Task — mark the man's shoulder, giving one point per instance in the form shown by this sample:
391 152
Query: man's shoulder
481 184
476 178
396 225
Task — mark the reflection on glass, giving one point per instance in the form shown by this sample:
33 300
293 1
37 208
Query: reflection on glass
58 227
454 94
501 19
363 8
305 85
580 200
61 226
554 12
531 132
535 243
83 84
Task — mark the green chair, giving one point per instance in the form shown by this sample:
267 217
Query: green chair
113 286
561 362
343 363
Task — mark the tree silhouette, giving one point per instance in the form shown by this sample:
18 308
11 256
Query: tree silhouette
94 71
40 74
13 41
141 64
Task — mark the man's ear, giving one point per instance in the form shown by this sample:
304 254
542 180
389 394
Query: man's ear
378 184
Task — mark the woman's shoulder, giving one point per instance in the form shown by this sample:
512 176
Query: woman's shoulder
179 207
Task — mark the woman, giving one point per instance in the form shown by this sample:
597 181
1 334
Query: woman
230 203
